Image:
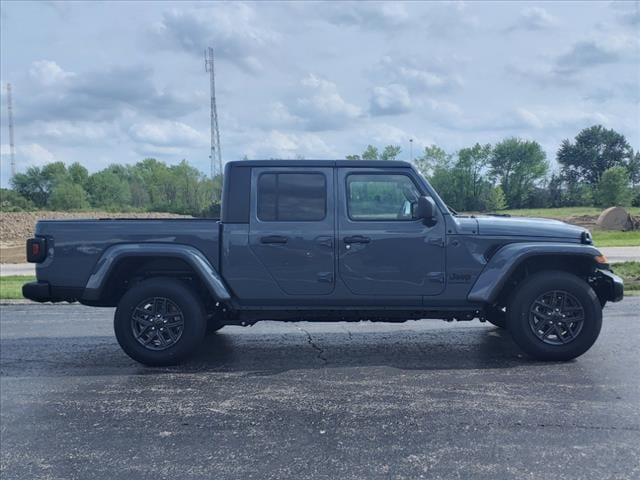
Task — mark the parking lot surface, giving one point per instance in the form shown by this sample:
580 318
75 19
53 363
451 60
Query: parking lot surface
305 400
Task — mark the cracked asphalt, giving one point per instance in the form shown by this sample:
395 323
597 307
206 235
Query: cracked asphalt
306 400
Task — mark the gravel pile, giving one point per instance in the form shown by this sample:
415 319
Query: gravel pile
16 227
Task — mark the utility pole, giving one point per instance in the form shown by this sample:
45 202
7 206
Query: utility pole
215 155
411 149
12 147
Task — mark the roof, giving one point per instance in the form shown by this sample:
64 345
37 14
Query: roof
320 163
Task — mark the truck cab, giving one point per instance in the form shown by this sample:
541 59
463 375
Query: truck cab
328 240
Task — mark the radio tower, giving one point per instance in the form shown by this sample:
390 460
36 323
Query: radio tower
215 156
12 147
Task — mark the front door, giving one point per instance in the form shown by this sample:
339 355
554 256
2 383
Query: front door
383 249
292 227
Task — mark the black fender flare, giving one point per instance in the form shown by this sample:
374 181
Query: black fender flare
504 262
190 255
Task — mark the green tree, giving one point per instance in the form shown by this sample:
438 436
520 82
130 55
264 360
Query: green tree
390 152
595 150
78 174
431 157
68 196
36 184
493 199
470 179
518 165
614 189
370 153
108 190
12 201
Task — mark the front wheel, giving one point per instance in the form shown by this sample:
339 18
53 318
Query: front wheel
160 321
554 315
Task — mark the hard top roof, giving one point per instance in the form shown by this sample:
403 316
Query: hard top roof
320 163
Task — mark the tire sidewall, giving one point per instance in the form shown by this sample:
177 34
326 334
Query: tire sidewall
192 310
529 291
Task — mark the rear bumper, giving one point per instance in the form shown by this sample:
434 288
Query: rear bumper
612 285
37 291
44 292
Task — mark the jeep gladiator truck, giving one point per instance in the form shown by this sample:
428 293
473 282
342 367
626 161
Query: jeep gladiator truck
330 240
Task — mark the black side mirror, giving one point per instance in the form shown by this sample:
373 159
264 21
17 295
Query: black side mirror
426 209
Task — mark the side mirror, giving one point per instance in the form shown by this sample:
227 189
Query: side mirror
426 209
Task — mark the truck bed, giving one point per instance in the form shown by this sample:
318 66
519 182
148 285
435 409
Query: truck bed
78 244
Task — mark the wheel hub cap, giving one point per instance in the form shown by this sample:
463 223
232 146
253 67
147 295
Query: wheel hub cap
157 323
556 317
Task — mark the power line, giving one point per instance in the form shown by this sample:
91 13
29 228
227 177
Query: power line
215 155
12 147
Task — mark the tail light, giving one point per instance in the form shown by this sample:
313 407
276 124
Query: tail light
36 250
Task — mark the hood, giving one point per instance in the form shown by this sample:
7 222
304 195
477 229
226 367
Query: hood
527 227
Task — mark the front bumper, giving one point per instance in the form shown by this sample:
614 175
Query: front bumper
611 285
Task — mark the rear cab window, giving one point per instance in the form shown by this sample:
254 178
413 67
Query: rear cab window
292 197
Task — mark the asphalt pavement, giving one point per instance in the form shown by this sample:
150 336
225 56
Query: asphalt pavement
306 400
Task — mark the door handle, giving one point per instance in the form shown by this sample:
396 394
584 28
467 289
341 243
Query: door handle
274 239
356 239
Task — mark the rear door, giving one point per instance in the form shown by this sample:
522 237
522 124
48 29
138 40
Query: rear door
383 250
292 227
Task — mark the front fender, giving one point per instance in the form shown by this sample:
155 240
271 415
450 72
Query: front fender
497 271
192 256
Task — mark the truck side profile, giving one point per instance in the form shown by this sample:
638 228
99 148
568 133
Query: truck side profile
326 240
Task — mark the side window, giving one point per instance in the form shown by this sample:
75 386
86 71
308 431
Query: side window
292 197
381 197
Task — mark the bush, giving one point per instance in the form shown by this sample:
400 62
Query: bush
68 196
613 189
12 201
494 200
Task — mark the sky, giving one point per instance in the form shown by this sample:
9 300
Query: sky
102 83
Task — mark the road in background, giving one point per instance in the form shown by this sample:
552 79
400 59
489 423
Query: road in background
315 400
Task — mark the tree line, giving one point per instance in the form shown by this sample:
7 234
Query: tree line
149 185
598 167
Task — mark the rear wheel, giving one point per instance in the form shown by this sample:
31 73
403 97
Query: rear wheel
554 315
160 321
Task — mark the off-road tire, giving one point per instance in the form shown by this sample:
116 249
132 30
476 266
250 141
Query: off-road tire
183 298
532 289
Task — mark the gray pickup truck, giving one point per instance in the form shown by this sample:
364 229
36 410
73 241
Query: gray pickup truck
330 240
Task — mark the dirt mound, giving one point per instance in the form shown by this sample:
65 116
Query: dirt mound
615 218
16 227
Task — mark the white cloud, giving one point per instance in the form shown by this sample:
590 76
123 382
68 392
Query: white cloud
166 133
419 76
278 144
70 132
393 99
233 29
31 154
322 107
535 18
48 72
378 15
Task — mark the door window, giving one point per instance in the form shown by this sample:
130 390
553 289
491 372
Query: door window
292 197
381 197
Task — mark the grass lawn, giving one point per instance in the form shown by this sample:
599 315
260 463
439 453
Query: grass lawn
609 238
630 273
11 287
563 213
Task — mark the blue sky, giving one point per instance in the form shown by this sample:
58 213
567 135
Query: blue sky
103 83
